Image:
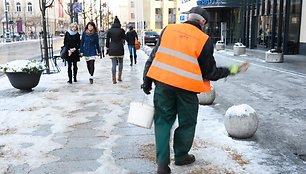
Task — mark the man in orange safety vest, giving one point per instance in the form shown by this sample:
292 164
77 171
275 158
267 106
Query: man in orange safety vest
181 66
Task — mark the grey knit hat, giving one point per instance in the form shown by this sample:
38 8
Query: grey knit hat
200 11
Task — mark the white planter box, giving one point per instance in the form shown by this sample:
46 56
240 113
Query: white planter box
239 49
274 57
220 46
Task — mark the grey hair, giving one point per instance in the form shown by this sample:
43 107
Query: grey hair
196 17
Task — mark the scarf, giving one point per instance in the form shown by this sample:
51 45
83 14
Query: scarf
89 33
72 32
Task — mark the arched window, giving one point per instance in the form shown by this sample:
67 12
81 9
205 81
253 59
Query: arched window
7 6
30 7
18 6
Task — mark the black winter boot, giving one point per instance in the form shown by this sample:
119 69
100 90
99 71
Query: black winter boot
70 77
135 59
75 77
131 59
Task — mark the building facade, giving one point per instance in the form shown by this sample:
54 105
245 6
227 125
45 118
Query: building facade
159 13
258 24
24 17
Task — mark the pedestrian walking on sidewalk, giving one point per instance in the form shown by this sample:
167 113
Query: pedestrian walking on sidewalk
181 66
90 48
130 37
115 39
72 44
102 37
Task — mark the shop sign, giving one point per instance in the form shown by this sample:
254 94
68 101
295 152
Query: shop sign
224 3
185 1
210 2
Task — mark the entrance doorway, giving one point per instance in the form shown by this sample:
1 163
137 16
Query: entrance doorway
264 32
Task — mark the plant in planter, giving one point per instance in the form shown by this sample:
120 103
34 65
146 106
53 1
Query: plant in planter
23 74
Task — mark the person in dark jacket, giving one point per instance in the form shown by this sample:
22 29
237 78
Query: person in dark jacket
102 36
90 48
130 37
72 43
115 39
181 66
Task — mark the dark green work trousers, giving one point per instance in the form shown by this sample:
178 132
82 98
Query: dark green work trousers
170 102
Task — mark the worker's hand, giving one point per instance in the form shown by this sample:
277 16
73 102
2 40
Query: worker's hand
234 69
146 89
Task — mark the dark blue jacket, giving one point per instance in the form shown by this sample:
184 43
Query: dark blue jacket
90 44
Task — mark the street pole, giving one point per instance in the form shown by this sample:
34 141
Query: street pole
75 13
6 18
100 15
84 15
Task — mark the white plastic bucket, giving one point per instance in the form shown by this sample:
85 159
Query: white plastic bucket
141 114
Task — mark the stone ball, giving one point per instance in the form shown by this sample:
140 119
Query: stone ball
207 98
241 121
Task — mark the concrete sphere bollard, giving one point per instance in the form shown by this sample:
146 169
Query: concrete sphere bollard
241 121
207 98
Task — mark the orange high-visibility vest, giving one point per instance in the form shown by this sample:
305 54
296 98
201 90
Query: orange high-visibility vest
176 60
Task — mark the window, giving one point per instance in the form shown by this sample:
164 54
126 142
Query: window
30 7
18 7
7 7
171 16
132 15
132 4
158 18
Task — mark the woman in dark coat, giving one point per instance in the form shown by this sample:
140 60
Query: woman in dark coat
72 43
115 39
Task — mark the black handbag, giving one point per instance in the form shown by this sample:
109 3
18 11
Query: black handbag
64 52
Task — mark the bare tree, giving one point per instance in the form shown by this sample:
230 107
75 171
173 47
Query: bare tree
43 5
70 11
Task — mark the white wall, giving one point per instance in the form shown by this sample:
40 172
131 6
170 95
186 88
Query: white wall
186 5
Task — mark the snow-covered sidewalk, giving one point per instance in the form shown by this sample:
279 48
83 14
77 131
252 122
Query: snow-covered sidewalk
74 128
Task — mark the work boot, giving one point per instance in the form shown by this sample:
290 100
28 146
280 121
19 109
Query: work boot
185 161
119 77
131 59
163 169
114 80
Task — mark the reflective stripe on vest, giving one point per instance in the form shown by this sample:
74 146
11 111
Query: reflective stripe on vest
176 63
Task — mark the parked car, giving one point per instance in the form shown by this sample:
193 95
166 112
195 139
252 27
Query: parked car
151 37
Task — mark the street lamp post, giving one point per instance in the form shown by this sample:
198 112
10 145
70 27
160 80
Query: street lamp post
6 17
6 21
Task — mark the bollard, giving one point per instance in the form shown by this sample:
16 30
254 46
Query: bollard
239 49
207 98
241 121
